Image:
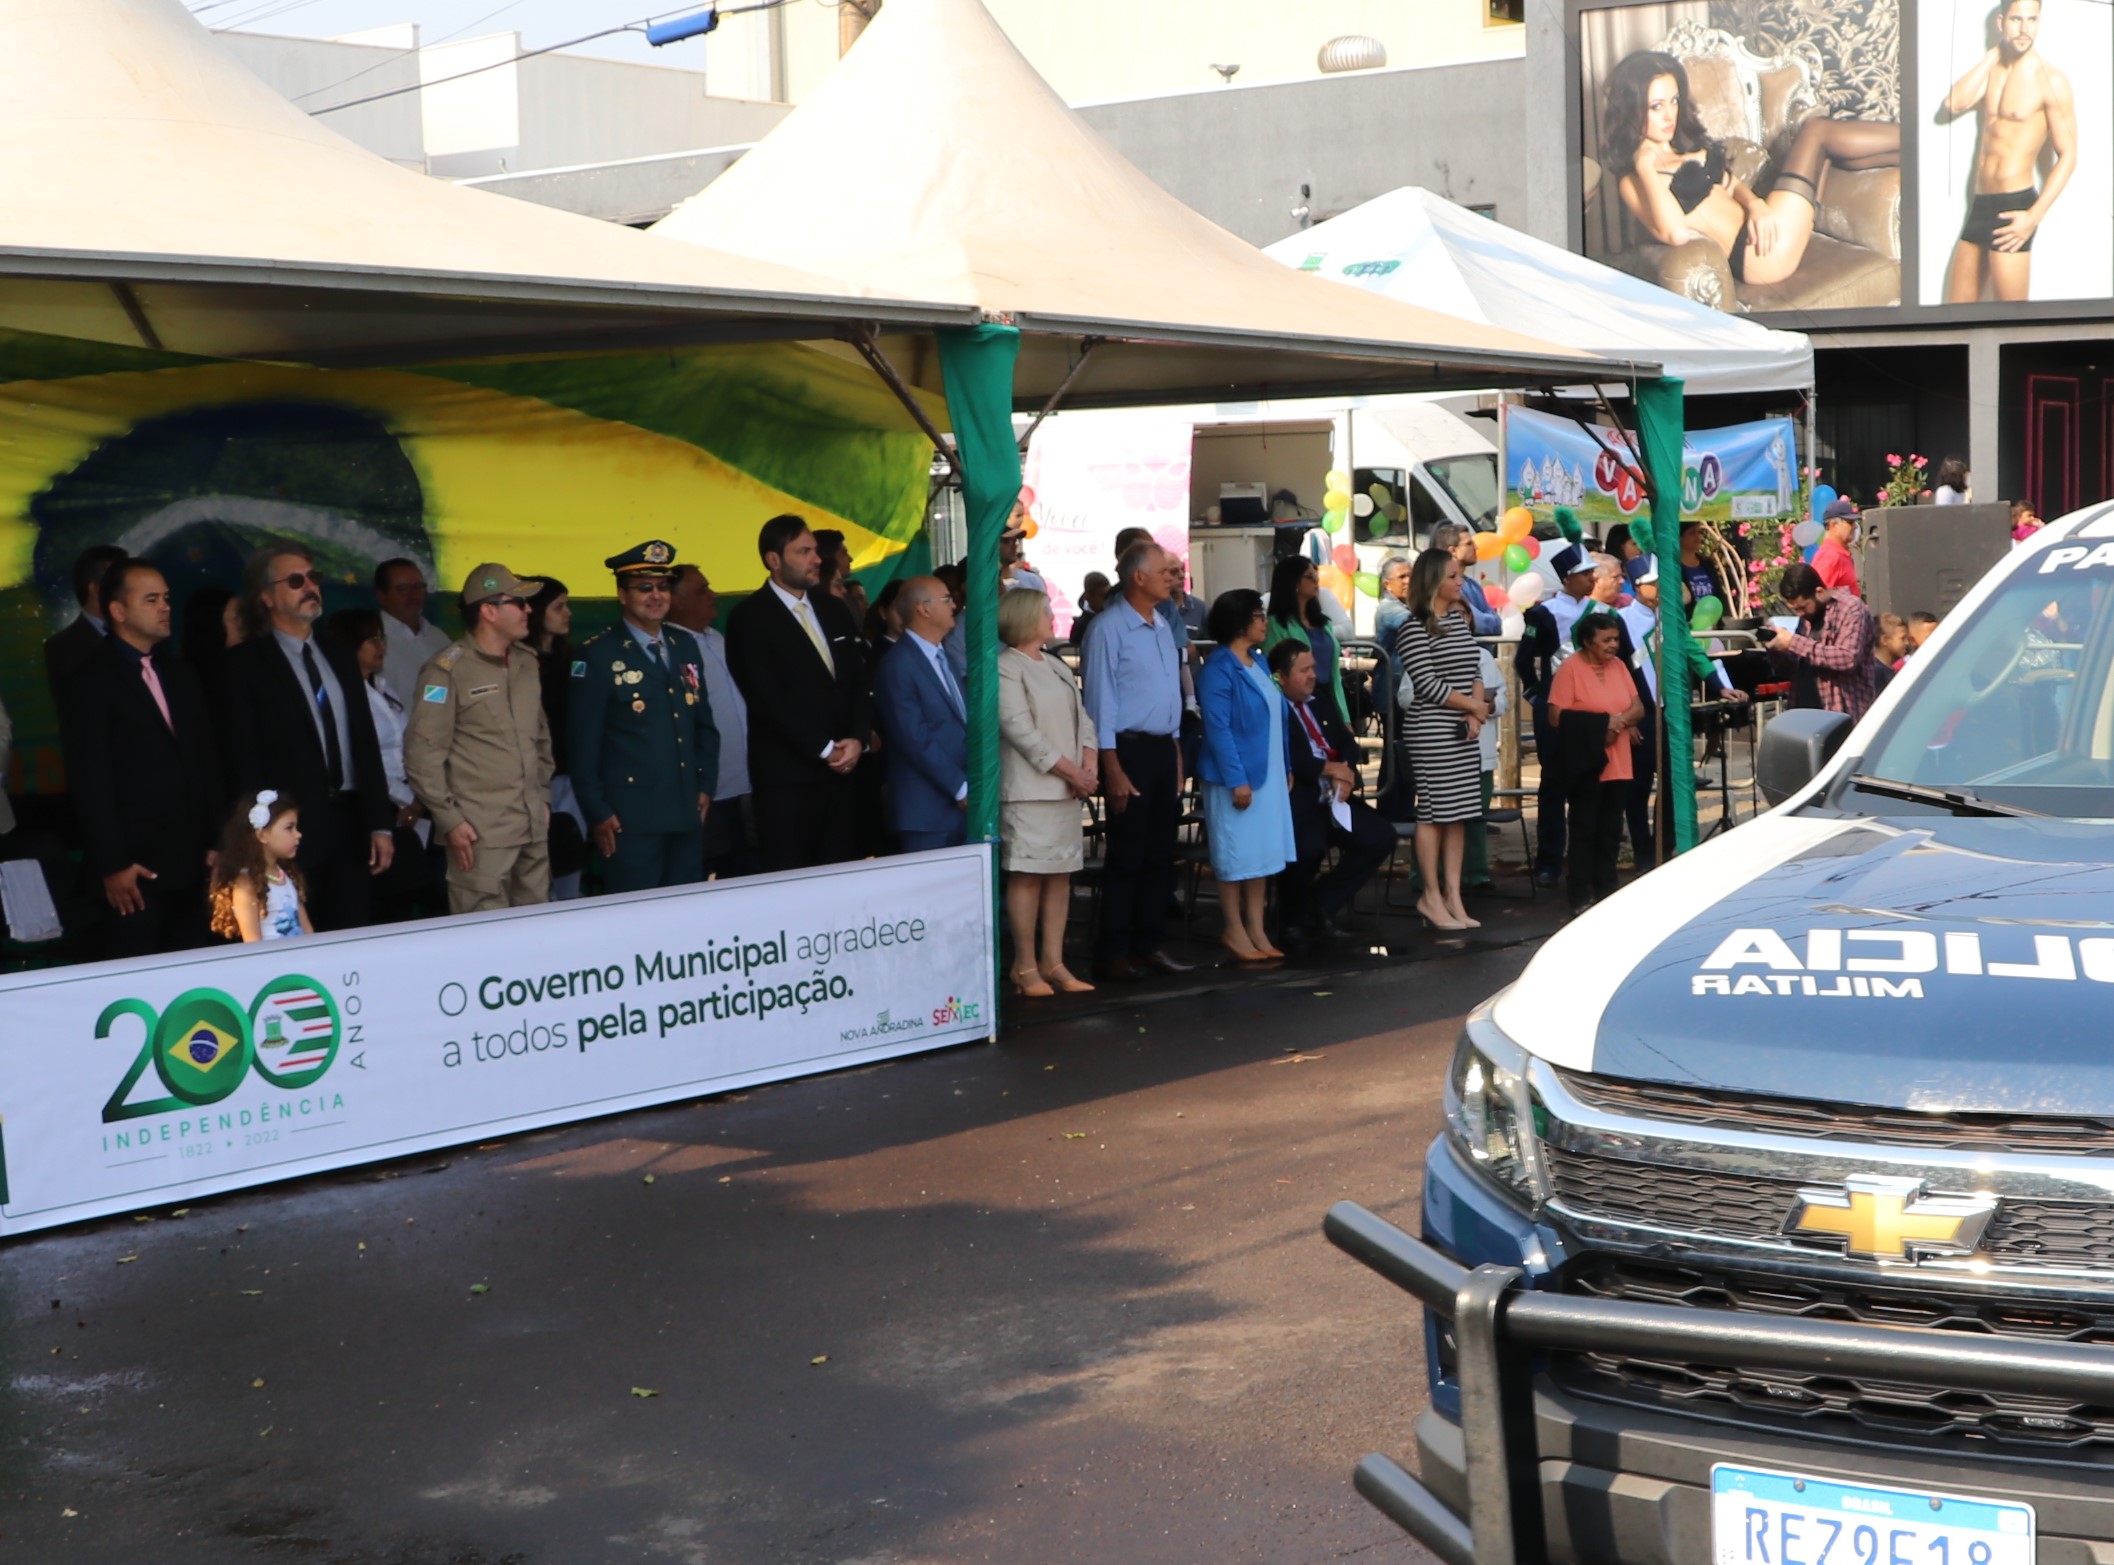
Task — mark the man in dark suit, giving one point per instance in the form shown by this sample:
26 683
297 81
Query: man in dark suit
69 651
644 747
925 721
140 767
801 667
294 719
1321 757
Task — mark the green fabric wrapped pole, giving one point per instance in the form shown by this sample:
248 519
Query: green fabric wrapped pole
978 364
1659 420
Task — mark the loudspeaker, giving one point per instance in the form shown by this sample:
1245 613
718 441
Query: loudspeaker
1927 556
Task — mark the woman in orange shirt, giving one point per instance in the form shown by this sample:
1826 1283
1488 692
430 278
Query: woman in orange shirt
1594 706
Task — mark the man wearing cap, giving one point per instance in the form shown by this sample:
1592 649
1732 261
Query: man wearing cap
1838 570
477 750
645 750
1546 644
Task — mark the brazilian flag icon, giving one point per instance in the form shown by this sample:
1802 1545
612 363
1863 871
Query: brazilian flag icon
202 1046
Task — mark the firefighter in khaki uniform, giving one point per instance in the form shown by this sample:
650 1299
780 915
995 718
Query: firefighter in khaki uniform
645 751
478 751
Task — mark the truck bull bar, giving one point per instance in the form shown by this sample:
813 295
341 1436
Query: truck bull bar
1499 1325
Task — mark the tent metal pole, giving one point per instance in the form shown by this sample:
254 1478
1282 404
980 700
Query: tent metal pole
136 313
1086 351
862 338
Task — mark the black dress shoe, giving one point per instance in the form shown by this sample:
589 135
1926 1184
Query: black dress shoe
1546 877
1161 962
1118 970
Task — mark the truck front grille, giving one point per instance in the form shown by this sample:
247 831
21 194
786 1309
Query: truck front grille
2024 1232
1833 1405
2076 1135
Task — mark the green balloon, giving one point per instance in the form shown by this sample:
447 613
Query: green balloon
1335 521
1517 559
1706 614
1368 583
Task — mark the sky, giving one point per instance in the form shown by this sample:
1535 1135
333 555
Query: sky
540 22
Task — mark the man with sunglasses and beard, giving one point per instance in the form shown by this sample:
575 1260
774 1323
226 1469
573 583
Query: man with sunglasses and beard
295 720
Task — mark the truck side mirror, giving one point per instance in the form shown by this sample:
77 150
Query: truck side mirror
1795 746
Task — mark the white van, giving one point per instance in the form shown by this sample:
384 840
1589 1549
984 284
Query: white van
1433 465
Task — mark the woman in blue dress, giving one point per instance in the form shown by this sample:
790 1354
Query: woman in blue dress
1247 802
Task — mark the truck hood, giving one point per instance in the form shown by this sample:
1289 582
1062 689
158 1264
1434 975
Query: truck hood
1918 962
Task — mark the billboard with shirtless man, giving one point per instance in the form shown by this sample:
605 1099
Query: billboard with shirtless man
2017 129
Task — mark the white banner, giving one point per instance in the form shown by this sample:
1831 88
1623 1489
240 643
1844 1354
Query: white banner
143 1083
1088 476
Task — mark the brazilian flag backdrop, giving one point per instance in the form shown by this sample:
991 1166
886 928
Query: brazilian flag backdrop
549 465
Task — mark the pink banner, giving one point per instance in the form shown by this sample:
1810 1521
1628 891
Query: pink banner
1089 476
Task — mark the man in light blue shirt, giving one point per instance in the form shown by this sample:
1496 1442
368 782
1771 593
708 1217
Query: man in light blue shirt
1133 693
694 606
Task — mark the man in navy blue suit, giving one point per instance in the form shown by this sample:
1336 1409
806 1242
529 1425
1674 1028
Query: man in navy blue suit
924 719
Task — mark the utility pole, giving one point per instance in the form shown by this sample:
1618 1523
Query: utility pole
852 17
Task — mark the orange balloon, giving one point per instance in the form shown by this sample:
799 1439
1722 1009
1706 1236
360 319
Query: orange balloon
1515 524
1488 546
1028 528
1337 580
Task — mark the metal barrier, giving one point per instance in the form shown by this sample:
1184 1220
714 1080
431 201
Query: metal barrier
1497 1322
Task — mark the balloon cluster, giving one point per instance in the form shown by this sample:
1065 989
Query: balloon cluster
1026 502
1375 508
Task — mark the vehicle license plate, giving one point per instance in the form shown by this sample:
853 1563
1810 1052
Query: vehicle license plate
1766 1518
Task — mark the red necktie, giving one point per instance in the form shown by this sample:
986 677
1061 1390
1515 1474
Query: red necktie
1314 732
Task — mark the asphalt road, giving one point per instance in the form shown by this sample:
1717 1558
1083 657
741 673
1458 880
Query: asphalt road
1060 1299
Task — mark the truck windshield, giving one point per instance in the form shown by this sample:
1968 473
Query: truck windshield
2018 708
1472 481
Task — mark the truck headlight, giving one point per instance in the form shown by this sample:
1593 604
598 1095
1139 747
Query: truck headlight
1490 1109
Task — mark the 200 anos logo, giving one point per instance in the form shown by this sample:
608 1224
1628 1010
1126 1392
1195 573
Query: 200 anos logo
205 1044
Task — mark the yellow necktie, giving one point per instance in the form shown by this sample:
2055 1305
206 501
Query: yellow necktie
814 634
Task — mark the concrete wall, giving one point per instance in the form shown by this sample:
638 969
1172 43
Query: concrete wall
635 192
1239 155
576 111
315 73
1094 49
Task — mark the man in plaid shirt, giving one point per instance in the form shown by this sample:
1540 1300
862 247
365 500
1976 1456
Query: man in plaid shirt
1834 640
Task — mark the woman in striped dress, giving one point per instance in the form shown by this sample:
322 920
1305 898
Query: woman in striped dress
1444 708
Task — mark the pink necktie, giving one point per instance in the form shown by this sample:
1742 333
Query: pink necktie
146 670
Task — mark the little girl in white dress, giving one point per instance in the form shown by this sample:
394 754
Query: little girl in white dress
257 888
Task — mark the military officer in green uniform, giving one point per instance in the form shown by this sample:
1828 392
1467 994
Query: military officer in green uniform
645 752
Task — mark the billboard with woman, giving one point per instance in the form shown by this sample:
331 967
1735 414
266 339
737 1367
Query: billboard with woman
1746 153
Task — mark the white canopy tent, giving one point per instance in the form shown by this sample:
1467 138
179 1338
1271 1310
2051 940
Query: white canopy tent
935 163
1413 245
159 195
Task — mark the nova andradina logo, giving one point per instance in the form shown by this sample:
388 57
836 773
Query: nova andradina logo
204 1044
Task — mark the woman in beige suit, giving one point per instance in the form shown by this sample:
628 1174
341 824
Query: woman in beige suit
1050 765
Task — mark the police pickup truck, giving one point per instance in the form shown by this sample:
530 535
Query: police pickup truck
1853 1061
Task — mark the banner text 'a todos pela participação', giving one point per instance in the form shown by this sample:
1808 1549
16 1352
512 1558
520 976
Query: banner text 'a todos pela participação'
133 1084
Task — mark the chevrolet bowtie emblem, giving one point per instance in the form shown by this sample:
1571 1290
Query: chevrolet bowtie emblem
1882 1218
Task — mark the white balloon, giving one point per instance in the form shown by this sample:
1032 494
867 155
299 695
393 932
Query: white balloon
1361 505
1513 627
1528 590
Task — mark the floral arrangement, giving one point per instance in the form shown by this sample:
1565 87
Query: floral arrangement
1906 484
1770 546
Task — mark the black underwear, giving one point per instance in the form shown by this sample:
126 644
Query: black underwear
1693 182
1986 216
1738 258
